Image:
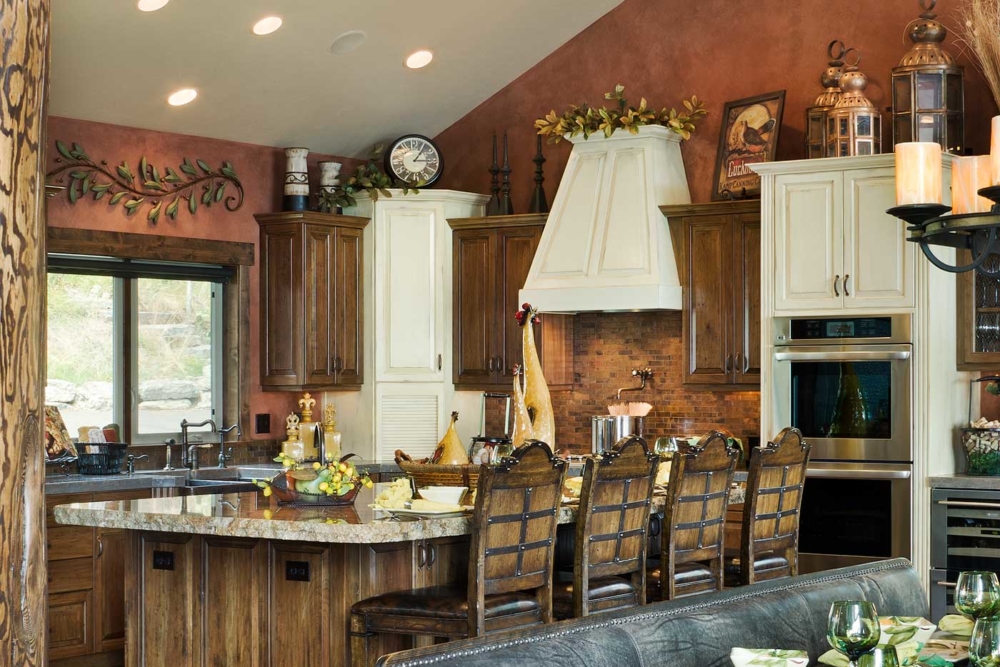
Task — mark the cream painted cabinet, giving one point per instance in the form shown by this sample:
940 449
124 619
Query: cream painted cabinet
835 247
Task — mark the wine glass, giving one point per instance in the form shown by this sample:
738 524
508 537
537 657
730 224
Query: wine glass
853 628
977 594
984 644
882 656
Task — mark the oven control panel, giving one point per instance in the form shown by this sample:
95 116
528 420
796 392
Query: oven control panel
819 330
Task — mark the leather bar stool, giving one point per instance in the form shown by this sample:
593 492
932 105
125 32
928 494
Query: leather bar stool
510 563
769 541
609 568
692 538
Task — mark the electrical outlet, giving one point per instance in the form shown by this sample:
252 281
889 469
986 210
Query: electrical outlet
163 560
262 423
296 570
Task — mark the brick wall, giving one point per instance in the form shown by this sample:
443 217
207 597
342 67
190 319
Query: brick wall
608 346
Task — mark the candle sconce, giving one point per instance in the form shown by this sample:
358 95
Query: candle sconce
929 225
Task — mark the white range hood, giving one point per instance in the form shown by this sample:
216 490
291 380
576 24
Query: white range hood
606 246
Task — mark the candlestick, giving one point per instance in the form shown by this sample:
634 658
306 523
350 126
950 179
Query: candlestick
493 208
506 207
539 203
918 173
968 176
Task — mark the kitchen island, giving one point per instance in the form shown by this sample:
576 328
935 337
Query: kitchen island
237 579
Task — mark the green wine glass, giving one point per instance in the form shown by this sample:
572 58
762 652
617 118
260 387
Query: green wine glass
883 656
977 594
853 629
984 644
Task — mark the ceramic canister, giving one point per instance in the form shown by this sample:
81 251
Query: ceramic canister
296 180
329 173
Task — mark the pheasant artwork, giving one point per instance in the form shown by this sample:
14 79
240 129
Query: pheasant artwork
533 416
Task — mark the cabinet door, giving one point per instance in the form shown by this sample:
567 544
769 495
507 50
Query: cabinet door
235 633
408 416
746 301
809 241
515 250
319 305
110 608
298 587
474 320
978 312
878 261
281 305
409 301
708 297
71 631
349 306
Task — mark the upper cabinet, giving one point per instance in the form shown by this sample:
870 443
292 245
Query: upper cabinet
718 258
490 261
978 310
835 247
311 301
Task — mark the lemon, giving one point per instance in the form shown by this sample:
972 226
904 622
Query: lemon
323 486
267 492
268 514
317 466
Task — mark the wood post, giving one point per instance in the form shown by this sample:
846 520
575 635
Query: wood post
24 49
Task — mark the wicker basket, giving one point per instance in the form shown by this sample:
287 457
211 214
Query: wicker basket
432 474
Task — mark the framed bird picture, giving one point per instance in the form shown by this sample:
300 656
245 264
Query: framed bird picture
749 135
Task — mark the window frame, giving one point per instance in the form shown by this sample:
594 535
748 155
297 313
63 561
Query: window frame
235 257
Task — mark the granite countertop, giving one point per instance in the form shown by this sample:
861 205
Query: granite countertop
251 515
958 481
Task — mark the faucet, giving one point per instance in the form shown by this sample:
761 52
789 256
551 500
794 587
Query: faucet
222 443
643 374
192 456
130 465
169 444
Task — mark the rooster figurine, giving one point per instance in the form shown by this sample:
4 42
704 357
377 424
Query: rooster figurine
533 415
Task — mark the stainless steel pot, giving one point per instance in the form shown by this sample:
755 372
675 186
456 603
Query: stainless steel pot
605 431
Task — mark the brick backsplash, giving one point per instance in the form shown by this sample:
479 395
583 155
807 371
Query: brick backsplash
608 346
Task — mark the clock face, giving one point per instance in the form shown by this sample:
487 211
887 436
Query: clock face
414 159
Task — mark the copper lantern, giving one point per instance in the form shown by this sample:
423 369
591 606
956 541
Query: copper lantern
816 114
928 93
854 125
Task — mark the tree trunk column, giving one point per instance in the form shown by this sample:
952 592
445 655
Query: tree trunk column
24 47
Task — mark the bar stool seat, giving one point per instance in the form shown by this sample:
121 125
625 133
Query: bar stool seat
608 591
447 602
685 574
764 564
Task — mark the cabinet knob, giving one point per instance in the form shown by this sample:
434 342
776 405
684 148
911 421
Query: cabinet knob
739 366
729 364
491 366
836 285
440 362
846 278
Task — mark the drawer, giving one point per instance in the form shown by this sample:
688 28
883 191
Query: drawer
66 542
75 574
63 499
70 629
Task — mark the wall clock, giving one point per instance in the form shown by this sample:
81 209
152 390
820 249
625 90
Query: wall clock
414 159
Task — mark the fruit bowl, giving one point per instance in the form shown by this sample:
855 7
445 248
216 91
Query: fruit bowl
334 484
283 488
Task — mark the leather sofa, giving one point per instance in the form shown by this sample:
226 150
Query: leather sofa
695 632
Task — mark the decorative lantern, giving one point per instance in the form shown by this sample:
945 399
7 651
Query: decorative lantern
816 114
928 93
854 125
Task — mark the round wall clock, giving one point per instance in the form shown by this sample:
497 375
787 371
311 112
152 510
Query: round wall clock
414 159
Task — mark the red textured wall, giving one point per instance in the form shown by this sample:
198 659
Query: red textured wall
260 168
608 346
719 50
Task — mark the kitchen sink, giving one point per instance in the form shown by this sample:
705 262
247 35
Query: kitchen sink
200 487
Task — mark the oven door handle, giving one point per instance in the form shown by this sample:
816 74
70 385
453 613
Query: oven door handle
860 473
827 355
966 503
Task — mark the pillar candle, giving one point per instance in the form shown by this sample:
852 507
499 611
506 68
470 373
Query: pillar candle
918 173
995 152
968 176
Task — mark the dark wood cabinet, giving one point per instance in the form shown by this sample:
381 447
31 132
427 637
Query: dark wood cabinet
491 258
717 247
86 582
311 301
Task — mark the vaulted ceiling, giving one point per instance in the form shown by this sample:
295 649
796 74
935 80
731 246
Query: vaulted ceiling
115 64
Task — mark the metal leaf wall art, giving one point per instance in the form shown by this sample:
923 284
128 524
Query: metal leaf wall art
196 183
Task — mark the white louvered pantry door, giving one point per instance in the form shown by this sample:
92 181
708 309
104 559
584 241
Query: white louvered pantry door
408 416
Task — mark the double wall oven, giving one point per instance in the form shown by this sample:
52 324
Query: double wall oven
845 383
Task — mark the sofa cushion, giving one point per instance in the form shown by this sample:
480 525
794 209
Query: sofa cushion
693 632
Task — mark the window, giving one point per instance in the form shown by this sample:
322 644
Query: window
139 344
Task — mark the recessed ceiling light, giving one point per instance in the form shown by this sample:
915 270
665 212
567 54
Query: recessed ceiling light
419 59
347 42
151 5
182 97
267 25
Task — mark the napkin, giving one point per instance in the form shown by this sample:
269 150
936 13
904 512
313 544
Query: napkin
768 657
907 634
956 625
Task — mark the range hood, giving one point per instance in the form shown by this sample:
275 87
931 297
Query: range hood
606 246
